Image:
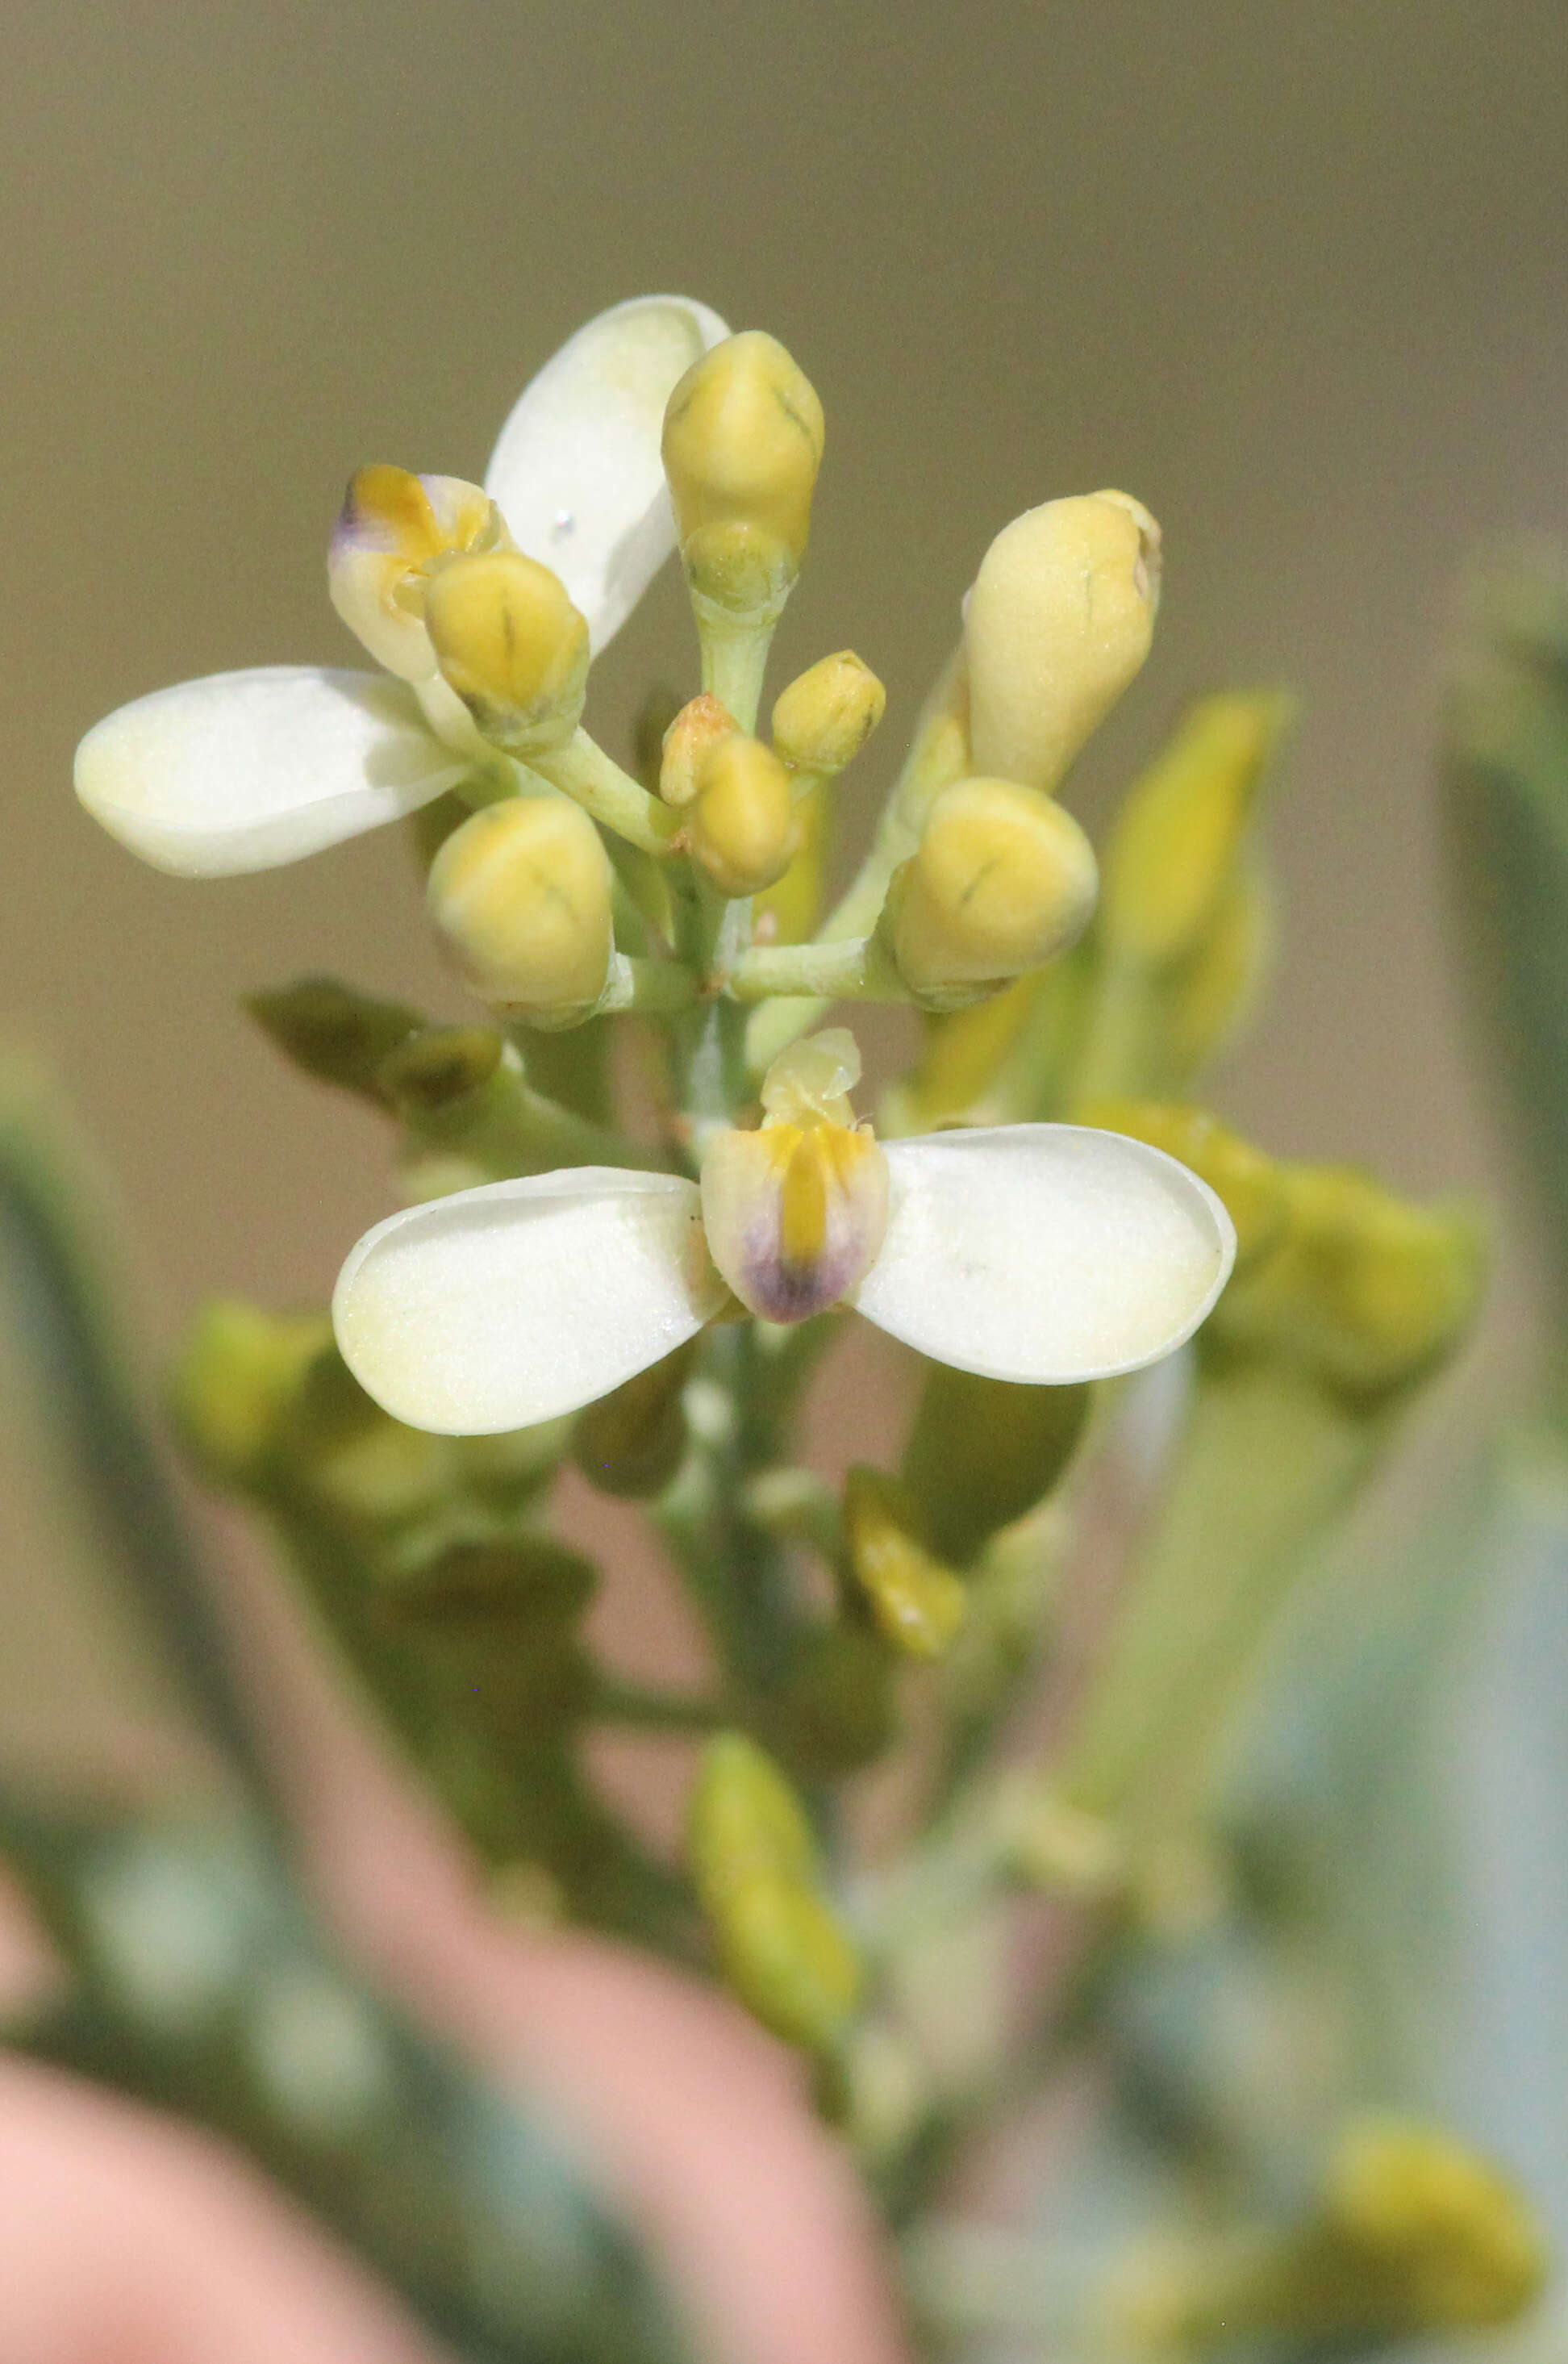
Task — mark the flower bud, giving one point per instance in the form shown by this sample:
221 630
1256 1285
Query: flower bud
982 1452
700 725
826 714
1179 835
755 1862
918 1603
742 445
1002 881
794 1213
1425 2233
519 897
392 528
438 1071
1364 1287
509 641
632 1441
1248 1183
741 829
1057 625
332 1033
239 1371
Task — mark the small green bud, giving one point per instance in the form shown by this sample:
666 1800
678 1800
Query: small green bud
982 1452
434 1071
782 1947
918 1603
632 1441
1179 837
834 1712
353 1458
520 1584
332 1033
237 1375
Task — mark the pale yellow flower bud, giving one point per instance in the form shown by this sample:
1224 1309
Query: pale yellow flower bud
512 645
741 829
1057 625
1002 881
519 897
742 446
825 717
239 1371
393 528
701 723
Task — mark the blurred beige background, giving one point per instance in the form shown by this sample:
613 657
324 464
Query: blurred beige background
1292 275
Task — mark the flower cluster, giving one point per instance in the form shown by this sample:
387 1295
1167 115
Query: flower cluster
1026 1252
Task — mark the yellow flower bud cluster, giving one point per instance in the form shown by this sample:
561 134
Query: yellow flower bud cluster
742 446
782 1947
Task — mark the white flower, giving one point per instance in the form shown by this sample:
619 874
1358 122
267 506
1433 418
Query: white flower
241 771
1034 1252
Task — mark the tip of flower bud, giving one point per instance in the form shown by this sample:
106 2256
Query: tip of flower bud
701 723
509 641
1442 2237
741 829
1002 881
742 444
392 526
1057 624
520 900
825 717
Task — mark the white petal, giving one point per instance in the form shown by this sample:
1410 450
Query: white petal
522 1300
576 474
241 771
1045 1252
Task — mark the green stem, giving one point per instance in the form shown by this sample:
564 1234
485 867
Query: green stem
510 1129
735 659
615 1701
582 770
857 970
649 986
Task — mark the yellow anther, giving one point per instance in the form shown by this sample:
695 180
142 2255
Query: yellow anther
519 897
1366 1287
1179 836
742 445
1251 1185
698 728
511 644
1058 622
794 1213
918 1605
742 828
1002 881
393 528
826 714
